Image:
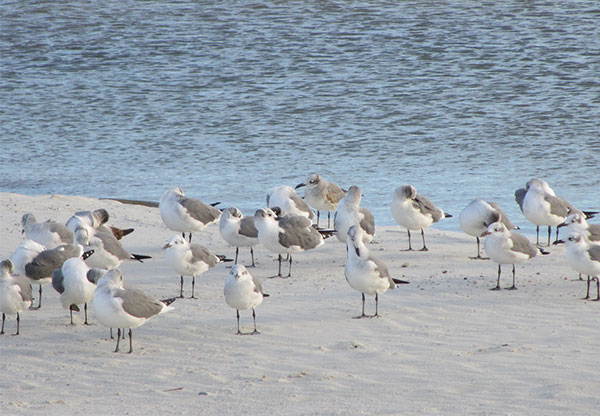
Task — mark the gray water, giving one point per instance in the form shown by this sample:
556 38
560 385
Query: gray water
228 99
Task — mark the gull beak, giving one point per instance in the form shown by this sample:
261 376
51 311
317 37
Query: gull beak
485 233
166 246
562 224
300 185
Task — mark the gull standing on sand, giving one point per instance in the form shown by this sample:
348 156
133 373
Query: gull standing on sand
285 198
366 273
584 256
350 213
507 247
23 254
95 220
541 206
186 215
76 283
289 234
39 270
108 251
189 259
242 291
50 234
119 307
414 211
477 216
322 195
239 231
15 294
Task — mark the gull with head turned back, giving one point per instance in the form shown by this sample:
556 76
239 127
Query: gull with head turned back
117 306
477 216
186 215
15 294
288 202
96 220
414 211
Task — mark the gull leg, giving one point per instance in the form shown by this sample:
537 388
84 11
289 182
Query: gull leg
254 320
549 235
3 319
513 287
498 283
290 268
130 337
190 239
237 250
85 322
362 315
537 235
587 293
19 322
237 314
328 219
409 244
597 291
318 214
118 339
71 313
193 286
376 306
181 287
252 255
423 237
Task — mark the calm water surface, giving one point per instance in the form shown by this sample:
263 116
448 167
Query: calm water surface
228 99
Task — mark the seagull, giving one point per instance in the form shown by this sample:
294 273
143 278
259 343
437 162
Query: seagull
507 247
189 259
576 223
350 213
95 220
186 215
541 206
108 251
584 256
50 234
414 211
366 273
322 195
285 198
289 234
239 231
119 307
242 291
39 270
76 283
15 293
477 216
23 254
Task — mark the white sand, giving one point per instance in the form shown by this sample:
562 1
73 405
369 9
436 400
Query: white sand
444 345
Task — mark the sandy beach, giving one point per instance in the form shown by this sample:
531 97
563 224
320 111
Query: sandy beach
445 343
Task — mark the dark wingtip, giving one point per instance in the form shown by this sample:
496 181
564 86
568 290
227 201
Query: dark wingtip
544 252
400 282
140 257
87 254
589 214
446 215
265 295
168 301
223 258
214 204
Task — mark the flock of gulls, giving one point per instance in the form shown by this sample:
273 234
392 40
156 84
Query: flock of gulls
81 258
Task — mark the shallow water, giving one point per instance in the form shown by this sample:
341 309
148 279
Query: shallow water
226 100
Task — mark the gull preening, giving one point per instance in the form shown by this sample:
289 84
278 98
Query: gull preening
243 291
189 259
50 234
23 254
15 294
286 235
239 231
366 273
39 270
414 211
322 195
350 213
477 216
507 247
186 215
285 198
96 220
76 282
119 307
